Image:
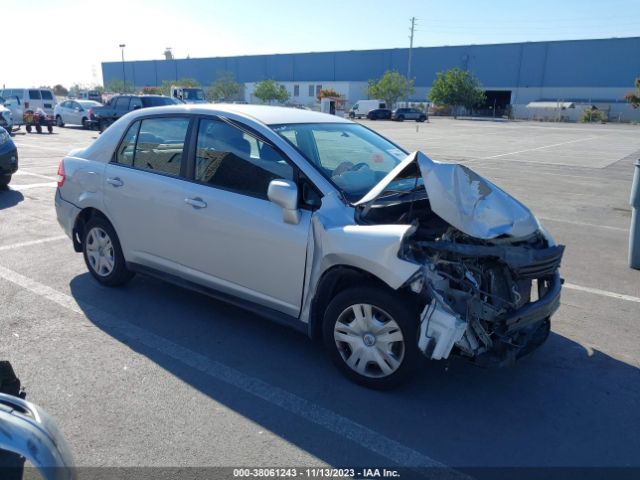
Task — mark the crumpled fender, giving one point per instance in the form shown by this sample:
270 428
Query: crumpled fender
372 248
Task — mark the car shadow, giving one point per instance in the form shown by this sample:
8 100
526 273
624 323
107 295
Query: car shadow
10 198
563 406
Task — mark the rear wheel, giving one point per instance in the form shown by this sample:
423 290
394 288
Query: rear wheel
371 335
28 128
59 121
401 118
103 254
103 125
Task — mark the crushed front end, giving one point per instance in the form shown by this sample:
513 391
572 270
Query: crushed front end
490 300
489 278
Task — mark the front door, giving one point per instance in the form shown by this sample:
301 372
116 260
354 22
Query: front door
234 238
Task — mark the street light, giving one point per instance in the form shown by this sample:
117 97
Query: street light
124 79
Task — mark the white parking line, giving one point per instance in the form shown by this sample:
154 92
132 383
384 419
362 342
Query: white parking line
33 185
25 172
32 242
62 149
584 224
320 416
537 148
604 293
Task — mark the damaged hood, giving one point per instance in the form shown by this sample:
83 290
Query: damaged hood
464 199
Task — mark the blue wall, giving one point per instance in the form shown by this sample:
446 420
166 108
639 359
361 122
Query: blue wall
576 63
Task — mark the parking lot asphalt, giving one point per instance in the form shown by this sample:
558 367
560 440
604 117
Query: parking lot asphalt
153 375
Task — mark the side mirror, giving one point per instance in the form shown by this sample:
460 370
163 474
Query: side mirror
285 194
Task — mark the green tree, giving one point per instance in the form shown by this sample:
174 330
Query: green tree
456 88
118 86
165 87
60 91
225 88
634 97
391 87
268 91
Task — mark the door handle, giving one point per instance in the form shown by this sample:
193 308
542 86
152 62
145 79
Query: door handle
196 202
115 181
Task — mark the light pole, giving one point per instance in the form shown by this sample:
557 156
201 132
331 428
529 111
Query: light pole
124 79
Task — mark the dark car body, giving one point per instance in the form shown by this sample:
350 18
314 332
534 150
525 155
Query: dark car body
120 105
8 159
400 114
379 114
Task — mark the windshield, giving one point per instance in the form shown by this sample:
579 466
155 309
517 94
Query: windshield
89 103
192 94
353 157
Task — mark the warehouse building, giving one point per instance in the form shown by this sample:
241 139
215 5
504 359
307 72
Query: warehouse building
516 75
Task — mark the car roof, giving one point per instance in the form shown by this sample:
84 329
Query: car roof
269 115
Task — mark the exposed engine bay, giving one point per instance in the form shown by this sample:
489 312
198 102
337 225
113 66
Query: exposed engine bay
489 299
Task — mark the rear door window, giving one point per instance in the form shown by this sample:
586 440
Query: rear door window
35 95
160 145
46 95
135 102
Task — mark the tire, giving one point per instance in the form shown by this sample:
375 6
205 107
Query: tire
352 115
28 128
401 118
59 121
103 125
4 181
50 128
102 253
39 128
422 119
388 363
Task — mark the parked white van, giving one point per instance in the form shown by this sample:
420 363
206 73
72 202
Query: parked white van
20 99
362 107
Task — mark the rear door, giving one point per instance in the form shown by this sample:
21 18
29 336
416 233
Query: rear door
120 107
234 238
144 190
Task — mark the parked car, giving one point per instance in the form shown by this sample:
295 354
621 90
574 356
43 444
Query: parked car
8 158
379 114
362 107
75 112
119 105
319 223
31 99
6 117
14 105
401 114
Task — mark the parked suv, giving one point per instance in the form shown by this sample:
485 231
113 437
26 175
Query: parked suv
401 114
319 223
120 105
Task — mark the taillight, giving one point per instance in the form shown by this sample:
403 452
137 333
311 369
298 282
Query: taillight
90 113
61 174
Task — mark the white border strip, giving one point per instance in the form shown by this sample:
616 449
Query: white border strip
604 293
32 242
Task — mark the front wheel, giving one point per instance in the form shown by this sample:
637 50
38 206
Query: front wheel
59 121
371 334
103 254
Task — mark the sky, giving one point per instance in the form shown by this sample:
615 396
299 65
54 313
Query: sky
76 36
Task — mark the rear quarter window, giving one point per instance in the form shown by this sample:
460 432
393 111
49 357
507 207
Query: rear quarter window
46 95
35 95
158 101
